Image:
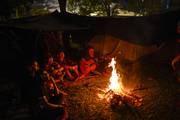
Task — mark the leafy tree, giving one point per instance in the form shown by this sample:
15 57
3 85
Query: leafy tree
85 7
12 8
146 7
18 8
103 7
112 7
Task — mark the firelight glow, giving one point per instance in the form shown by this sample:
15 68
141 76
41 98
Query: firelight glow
115 84
116 88
115 79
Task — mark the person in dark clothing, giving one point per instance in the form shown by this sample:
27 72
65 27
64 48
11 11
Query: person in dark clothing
52 100
176 66
54 69
175 63
45 98
32 81
50 65
71 68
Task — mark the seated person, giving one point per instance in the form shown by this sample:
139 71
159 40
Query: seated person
176 66
45 102
88 63
31 82
53 68
51 99
49 63
33 68
71 69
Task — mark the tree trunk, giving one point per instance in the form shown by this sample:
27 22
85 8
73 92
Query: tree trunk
62 5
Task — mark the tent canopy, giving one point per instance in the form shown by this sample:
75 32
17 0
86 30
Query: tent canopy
48 22
144 30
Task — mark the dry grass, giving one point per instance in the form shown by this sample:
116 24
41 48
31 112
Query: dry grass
159 97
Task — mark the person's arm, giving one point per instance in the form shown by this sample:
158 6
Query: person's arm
175 60
91 62
87 62
83 63
54 83
46 102
57 89
51 105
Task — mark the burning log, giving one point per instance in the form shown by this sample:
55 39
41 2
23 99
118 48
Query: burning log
119 98
109 94
118 102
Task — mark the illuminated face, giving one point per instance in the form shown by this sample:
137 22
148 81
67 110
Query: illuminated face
91 52
51 86
50 60
35 65
61 56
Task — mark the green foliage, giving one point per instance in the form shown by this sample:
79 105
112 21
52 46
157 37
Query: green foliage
38 11
21 8
112 7
14 8
85 7
18 8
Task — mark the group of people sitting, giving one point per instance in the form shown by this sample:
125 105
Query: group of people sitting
57 69
44 81
63 68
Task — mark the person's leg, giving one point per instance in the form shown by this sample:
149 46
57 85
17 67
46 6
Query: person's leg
57 114
63 115
85 72
63 111
68 73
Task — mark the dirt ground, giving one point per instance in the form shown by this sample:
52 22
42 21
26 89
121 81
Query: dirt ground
154 83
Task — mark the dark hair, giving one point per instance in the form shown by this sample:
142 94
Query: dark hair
49 55
60 50
90 47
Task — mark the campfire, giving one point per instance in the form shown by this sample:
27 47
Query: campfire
116 93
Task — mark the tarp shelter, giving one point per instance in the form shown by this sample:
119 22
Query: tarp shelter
54 21
131 36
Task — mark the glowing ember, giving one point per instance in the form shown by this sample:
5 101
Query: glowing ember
116 91
115 79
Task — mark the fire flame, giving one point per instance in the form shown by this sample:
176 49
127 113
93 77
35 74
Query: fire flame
115 79
115 85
